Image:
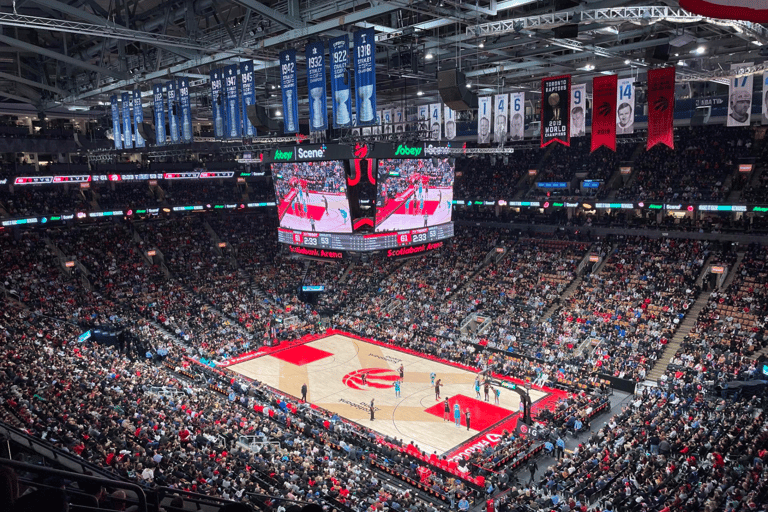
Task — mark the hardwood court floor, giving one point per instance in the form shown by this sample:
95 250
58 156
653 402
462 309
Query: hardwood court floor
331 369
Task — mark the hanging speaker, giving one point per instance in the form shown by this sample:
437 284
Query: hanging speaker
452 86
261 121
566 31
658 54
147 131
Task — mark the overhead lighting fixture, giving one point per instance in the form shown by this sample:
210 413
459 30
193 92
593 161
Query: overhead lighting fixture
420 92
278 113
469 84
429 56
627 62
482 44
756 42
700 50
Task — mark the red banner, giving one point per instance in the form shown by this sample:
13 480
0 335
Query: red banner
604 112
661 106
749 10
556 110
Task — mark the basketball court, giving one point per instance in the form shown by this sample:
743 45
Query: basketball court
332 367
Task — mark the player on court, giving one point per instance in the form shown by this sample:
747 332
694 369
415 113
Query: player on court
446 410
457 414
432 378
325 204
397 388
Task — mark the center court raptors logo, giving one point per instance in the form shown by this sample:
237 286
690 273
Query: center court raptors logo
379 378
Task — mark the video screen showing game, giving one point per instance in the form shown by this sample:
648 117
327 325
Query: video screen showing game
413 193
311 196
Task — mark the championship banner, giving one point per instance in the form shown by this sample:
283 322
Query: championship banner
248 97
159 110
290 91
186 110
748 10
340 100
517 121
232 125
555 110
450 122
436 121
661 106
765 97
365 76
625 107
127 120
116 121
399 120
386 120
173 113
740 97
500 117
484 119
318 112
578 110
604 112
138 118
423 119
217 103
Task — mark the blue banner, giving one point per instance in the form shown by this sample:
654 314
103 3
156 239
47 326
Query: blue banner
232 105
127 99
249 96
159 107
365 76
173 112
290 91
217 104
116 121
318 111
138 118
186 110
341 101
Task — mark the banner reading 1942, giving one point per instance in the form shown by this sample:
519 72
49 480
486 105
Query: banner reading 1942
555 110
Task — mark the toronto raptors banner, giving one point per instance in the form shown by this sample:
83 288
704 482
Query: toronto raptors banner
484 119
555 110
578 109
625 106
740 97
604 112
661 106
749 10
517 121
501 117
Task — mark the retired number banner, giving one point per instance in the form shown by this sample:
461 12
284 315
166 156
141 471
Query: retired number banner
484 119
578 109
450 122
501 117
517 121
625 107
661 106
604 112
740 97
555 110
436 121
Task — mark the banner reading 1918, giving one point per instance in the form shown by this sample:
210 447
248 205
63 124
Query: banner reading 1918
173 112
138 118
248 92
217 103
340 100
290 91
604 112
115 106
318 114
159 108
555 110
186 110
365 76
233 105
127 120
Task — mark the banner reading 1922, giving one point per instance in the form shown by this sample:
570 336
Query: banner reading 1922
290 91
115 107
217 103
341 101
159 108
365 76
318 112
186 110
555 110
138 118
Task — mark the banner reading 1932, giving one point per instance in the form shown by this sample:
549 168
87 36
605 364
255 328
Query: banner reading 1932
555 110
290 91
365 76
318 114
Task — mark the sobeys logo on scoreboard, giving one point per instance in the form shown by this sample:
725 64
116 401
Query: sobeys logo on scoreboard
403 150
283 155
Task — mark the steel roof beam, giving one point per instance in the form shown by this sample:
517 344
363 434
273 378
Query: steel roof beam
32 83
272 14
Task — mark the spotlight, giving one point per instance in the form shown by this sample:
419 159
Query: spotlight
627 62
429 56
700 50
482 44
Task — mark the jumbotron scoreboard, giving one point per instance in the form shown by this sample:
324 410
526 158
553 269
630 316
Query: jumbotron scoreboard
414 198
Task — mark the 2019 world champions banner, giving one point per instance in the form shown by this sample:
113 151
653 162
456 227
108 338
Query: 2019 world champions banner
661 106
555 110
604 112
